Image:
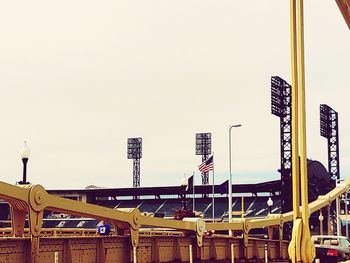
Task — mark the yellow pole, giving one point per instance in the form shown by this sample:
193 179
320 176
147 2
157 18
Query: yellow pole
295 244
303 160
295 124
307 248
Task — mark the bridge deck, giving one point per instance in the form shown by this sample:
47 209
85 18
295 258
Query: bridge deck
117 249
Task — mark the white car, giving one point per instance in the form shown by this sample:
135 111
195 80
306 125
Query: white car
331 248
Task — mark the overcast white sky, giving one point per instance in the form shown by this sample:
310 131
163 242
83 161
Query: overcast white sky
80 77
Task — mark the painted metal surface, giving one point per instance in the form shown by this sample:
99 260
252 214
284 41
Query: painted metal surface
150 249
35 244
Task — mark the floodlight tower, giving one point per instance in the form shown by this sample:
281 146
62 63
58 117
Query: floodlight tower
135 153
281 106
203 147
329 129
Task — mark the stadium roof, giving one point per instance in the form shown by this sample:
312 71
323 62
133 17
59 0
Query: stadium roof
271 186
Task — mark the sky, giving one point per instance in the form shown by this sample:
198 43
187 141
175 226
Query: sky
80 77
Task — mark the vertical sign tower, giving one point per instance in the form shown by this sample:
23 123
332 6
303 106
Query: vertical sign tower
203 147
329 129
135 153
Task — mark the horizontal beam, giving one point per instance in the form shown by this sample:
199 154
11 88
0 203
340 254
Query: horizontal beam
37 199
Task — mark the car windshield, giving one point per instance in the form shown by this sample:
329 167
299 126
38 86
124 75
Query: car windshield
331 241
345 242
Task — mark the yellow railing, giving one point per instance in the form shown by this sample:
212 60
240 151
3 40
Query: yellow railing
31 201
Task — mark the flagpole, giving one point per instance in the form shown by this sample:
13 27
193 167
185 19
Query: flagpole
193 193
213 188
205 167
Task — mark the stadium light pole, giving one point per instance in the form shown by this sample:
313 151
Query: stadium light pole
135 153
24 153
230 178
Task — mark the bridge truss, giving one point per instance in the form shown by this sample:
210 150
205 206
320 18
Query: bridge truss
132 242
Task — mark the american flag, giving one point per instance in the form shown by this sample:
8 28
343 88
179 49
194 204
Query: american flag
207 165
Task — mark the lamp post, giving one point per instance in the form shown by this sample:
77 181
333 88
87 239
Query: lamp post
270 204
346 215
337 207
184 184
329 220
320 217
24 153
230 179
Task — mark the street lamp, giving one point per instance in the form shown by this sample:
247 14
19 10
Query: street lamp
270 204
230 179
24 153
184 184
320 217
346 215
337 207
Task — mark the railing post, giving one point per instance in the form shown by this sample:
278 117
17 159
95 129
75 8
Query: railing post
232 253
56 257
134 249
34 244
281 241
190 252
